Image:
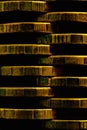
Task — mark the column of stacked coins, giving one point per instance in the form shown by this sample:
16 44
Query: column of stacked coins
69 55
39 50
21 91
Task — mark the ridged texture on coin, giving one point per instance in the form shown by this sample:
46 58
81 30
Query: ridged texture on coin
64 81
67 38
28 71
65 70
63 16
17 5
26 92
66 124
42 103
43 70
68 81
65 103
25 49
33 114
25 27
64 59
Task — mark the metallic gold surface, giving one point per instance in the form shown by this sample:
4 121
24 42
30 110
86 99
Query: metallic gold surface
35 49
38 6
64 16
64 59
26 92
28 71
67 124
43 71
25 27
68 81
64 38
63 81
65 103
44 95
33 114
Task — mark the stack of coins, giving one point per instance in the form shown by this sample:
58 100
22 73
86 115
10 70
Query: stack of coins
43 64
21 72
68 41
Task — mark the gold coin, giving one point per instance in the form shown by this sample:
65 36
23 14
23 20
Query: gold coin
33 114
68 81
66 124
35 49
63 81
38 6
64 38
25 27
64 16
64 59
26 91
28 71
65 103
